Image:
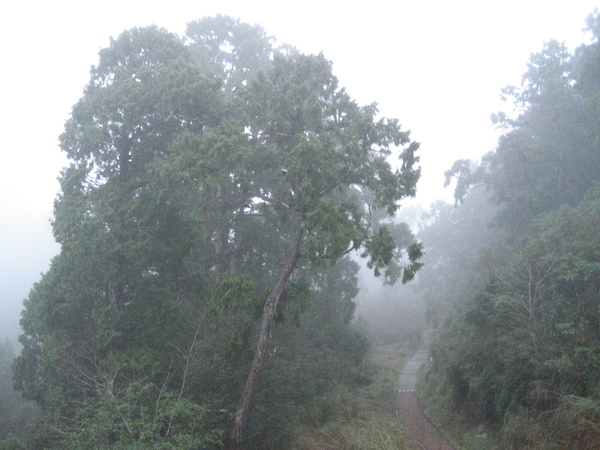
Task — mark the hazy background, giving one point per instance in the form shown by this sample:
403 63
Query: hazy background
438 66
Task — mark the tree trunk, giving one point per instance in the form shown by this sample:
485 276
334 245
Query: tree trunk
262 349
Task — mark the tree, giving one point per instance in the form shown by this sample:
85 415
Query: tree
548 155
454 238
532 330
205 176
233 51
108 313
318 153
521 349
315 349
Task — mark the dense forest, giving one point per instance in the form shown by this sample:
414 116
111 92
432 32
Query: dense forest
218 189
512 276
220 192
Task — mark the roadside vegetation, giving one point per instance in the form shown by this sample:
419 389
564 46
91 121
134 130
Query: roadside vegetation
515 268
360 418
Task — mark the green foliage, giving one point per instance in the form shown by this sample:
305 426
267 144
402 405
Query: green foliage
453 238
194 165
320 152
307 360
519 343
295 300
143 415
231 50
549 154
575 422
233 292
415 252
361 417
381 250
533 322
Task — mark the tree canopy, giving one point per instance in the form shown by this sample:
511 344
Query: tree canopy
216 186
549 154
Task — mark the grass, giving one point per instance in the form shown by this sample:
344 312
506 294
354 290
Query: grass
359 418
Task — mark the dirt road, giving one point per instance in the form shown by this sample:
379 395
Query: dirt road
423 434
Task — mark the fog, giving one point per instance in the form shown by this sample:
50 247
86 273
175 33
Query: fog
27 249
437 66
390 314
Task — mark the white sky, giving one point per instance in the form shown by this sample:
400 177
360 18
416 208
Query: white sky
438 66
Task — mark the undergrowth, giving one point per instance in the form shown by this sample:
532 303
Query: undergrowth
572 422
357 418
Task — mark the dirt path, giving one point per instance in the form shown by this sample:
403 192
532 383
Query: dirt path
421 431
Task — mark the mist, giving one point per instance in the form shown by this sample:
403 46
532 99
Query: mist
27 248
177 231
399 60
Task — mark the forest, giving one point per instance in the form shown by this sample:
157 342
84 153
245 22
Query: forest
512 273
223 193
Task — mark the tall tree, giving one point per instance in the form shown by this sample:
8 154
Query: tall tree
203 174
106 315
548 155
315 151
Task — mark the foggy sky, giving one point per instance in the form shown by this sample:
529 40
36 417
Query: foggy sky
437 66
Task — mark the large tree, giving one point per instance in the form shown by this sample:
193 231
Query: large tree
206 178
315 154
101 326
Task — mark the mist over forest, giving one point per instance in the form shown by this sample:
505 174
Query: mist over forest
240 262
